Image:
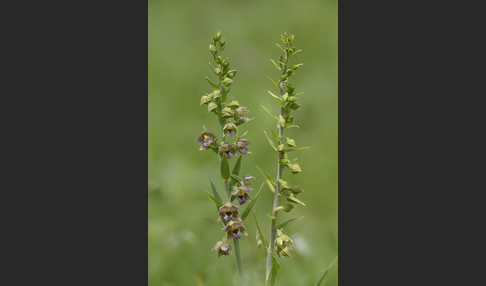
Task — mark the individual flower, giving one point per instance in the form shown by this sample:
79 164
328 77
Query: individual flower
241 115
283 243
229 129
235 229
207 139
227 112
247 180
226 150
228 211
241 145
294 168
241 194
223 248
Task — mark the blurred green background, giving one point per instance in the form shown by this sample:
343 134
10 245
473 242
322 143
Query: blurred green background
181 219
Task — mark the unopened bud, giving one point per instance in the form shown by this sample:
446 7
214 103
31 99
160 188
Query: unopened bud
217 37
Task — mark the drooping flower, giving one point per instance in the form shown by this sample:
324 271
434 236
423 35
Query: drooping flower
242 144
226 150
229 129
241 194
235 229
228 211
283 243
241 115
223 248
207 139
247 180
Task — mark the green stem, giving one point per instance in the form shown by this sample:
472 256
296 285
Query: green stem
273 228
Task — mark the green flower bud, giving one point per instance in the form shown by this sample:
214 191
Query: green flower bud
294 168
212 48
215 94
233 104
217 71
288 207
212 106
217 37
291 142
205 99
297 66
231 73
227 81
227 112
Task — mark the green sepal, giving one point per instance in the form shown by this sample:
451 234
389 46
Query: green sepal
225 170
237 167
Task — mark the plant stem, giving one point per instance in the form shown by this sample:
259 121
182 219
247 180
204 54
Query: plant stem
238 257
236 242
273 229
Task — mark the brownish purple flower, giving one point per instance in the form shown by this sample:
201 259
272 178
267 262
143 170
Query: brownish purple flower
241 145
207 139
235 229
227 150
223 248
241 194
228 211
229 129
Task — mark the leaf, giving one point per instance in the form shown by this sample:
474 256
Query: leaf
273 95
270 183
296 52
324 275
283 224
274 271
270 141
269 112
215 193
274 83
293 199
292 126
275 65
211 83
297 149
260 232
237 167
252 203
216 202
225 171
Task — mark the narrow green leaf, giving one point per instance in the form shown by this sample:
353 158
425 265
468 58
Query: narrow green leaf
283 224
225 171
260 232
297 149
237 167
211 83
252 203
275 65
273 95
215 193
274 83
324 275
216 202
293 199
296 52
269 112
270 141
270 183
274 271
292 126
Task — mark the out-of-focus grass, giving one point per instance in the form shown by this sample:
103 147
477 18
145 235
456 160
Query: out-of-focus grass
182 220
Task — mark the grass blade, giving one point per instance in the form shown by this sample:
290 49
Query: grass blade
269 181
324 275
252 203
270 141
269 112
288 221
216 202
